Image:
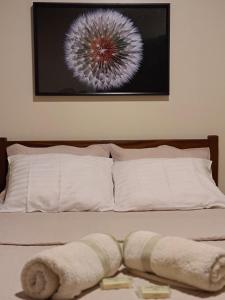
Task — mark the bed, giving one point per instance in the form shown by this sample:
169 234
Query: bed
24 234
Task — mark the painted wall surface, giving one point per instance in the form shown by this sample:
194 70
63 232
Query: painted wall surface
194 109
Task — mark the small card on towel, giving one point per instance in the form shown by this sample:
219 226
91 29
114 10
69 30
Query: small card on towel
119 282
154 291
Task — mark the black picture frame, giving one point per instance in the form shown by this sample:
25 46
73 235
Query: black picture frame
144 42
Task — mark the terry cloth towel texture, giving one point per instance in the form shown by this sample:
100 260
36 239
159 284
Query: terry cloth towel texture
193 263
65 271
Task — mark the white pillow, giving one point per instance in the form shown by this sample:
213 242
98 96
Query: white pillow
163 151
165 184
59 182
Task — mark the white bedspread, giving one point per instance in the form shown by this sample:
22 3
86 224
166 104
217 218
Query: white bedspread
22 235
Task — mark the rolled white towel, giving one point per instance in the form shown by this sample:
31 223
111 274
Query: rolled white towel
65 271
193 263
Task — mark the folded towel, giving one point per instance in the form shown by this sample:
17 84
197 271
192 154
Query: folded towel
65 271
193 263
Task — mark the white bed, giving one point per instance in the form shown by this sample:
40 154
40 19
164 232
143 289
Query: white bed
24 234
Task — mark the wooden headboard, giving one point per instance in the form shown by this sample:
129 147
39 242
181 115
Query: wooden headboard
211 141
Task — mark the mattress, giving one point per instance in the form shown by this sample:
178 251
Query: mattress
23 234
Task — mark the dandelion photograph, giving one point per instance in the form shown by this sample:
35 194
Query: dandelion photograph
100 49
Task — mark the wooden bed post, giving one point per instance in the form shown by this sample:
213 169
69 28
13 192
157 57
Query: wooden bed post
214 155
3 163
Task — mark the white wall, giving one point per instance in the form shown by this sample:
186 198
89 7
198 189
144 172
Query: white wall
196 105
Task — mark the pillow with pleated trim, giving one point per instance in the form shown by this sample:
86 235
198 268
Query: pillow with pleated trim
59 182
165 184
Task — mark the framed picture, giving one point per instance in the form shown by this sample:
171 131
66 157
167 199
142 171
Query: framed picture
101 49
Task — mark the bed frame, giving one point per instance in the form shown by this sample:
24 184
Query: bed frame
211 141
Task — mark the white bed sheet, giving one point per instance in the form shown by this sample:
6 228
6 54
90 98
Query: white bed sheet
22 235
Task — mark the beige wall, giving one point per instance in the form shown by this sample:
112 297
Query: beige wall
196 105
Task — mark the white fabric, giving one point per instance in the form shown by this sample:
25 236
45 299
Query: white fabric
163 151
162 184
178 259
65 271
59 182
92 150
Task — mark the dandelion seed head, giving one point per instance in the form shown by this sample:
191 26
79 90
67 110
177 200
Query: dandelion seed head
106 45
